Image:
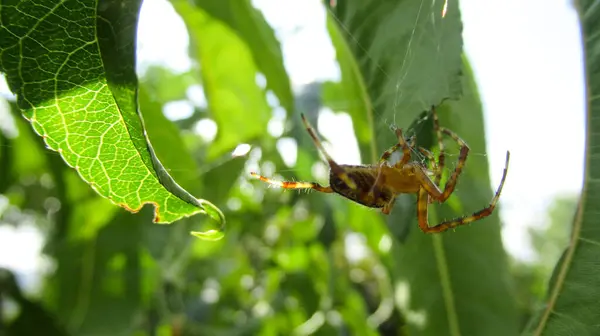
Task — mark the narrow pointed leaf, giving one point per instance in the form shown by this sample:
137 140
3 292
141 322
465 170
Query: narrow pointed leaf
250 25
574 292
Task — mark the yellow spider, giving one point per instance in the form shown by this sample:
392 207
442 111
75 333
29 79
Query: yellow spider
377 186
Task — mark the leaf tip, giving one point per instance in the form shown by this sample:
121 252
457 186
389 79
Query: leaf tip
210 235
215 214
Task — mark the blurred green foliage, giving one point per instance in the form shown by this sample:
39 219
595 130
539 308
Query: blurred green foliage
290 263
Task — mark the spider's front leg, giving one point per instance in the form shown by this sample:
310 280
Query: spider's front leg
462 158
401 144
293 185
422 203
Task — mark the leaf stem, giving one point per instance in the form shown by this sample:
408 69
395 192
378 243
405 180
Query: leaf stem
442 263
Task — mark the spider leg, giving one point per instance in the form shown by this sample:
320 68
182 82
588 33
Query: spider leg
462 157
441 157
293 185
401 144
430 157
388 207
335 168
436 170
425 181
422 201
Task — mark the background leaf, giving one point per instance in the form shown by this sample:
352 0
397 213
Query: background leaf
573 291
249 25
229 76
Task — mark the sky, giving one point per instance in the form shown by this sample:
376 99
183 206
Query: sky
530 76
527 59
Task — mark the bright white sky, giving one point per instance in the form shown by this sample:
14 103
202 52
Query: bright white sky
527 58
528 62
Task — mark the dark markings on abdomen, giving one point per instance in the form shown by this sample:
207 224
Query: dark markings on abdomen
364 177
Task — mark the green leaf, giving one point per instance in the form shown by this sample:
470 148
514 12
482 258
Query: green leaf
213 180
410 59
407 53
33 163
229 72
249 24
163 85
97 287
32 316
71 65
574 290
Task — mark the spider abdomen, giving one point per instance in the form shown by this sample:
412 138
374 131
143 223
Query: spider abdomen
366 192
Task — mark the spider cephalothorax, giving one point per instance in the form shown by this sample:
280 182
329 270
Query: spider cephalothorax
377 186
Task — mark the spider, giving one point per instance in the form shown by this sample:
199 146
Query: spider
377 185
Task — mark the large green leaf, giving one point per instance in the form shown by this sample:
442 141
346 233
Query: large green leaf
408 54
410 59
169 148
72 66
574 291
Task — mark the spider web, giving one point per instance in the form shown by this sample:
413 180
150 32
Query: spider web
410 55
